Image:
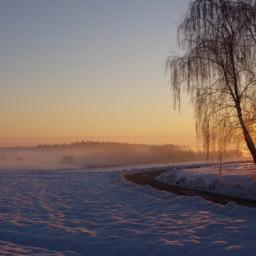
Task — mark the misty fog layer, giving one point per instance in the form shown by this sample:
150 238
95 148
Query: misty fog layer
84 155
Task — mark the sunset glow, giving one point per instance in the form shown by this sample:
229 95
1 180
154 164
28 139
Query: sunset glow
89 69
128 127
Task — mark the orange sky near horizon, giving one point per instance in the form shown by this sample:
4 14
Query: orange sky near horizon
181 140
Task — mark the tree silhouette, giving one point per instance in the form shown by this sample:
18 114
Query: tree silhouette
217 67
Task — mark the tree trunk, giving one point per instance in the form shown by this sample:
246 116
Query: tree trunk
220 162
247 136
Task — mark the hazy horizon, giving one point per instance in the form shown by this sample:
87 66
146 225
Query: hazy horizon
180 140
87 154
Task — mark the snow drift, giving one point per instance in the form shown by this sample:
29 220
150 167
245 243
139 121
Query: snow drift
238 179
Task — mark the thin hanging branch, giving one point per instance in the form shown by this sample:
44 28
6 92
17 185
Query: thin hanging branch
218 70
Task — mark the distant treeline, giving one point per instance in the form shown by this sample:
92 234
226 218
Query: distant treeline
92 154
96 154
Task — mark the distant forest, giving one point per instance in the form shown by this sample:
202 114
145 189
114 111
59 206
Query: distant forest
98 154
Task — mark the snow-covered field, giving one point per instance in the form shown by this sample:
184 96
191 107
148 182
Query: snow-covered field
237 179
98 213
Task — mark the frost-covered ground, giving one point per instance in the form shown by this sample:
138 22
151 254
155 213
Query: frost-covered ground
99 213
237 179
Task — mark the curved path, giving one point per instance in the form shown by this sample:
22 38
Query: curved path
148 178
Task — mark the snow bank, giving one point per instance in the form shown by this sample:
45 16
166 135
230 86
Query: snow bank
237 180
164 167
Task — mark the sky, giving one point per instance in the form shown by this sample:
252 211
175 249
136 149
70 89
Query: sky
90 69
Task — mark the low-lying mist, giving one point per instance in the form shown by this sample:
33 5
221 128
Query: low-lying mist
84 155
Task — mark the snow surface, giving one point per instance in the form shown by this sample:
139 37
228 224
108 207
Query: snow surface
98 213
161 167
237 179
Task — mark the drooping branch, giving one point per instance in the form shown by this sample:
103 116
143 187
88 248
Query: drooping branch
218 67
